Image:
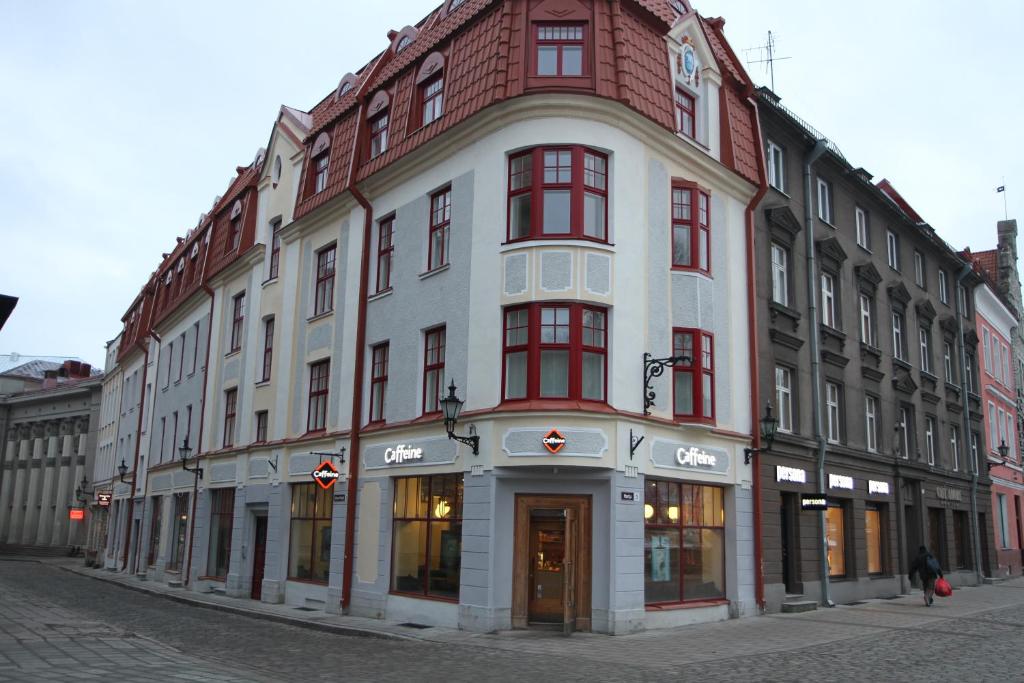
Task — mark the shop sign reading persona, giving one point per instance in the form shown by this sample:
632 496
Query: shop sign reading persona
326 474
813 501
553 441
790 474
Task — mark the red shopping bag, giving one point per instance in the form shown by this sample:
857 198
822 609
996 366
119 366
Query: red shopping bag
942 588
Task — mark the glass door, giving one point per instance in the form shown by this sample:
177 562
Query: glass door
547 566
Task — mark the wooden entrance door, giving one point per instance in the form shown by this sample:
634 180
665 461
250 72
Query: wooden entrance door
551 562
259 556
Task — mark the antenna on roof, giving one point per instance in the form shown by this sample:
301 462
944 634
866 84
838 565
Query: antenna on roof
766 55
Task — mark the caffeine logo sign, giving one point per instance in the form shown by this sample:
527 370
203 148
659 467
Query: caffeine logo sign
326 474
553 441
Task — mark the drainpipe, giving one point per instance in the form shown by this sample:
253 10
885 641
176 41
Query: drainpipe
812 316
755 383
975 531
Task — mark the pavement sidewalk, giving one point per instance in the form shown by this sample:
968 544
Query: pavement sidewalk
689 644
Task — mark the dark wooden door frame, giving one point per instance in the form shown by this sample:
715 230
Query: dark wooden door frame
259 558
581 507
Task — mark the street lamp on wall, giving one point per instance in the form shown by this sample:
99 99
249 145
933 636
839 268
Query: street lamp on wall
452 406
122 469
82 491
769 425
654 367
184 452
1004 451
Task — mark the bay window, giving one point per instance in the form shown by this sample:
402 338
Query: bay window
309 546
693 383
555 351
691 231
684 542
427 536
566 198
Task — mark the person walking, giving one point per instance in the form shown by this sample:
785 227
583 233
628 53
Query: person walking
927 567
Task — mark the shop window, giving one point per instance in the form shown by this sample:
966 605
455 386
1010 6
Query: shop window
179 530
693 383
237 321
427 536
691 228
684 542
440 228
385 251
433 369
559 50
378 381
309 547
154 530
378 135
323 300
835 539
268 348
222 513
874 533
230 409
432 94
962 542
566 199
319 375
555 351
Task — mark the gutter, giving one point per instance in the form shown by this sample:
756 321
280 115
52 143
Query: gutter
819 148
975 465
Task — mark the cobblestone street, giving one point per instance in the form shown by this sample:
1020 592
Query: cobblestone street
56 625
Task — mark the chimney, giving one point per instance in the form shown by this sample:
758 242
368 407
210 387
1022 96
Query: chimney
49 379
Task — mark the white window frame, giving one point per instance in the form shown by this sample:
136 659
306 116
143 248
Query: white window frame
828 300
871 423
832 410
1002 428
1004 528
947 361
892 248
824 201
918 268
780 274
784 398
929 438
866 324
776 159
861 217
1006 366
897 336
993 428
926 349
943 287
954 446
905 431
1011 454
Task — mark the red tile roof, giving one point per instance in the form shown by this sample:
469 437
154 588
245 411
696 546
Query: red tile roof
989 261
886 187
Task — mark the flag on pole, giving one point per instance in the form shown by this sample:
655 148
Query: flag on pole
1001 188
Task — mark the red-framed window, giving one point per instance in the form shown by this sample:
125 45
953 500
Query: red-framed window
378 135
230 408
378 381
385 250
684 542
275 250
440 223
432 94
691 228
433 369
555 351
426 549
222 514
319 374
558 192
693 383
262 418
686 117
323 301
560 50
236 234
320 165
268 348
237 321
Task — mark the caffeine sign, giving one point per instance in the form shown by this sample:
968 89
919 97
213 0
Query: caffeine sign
553 441
326 474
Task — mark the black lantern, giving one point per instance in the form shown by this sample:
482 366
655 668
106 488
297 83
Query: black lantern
1004 450
769 425
452 407
82 491
122 469
185 452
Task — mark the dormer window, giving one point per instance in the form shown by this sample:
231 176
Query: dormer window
345 87
236 233
320 165
321 155
378 135
559 50
685 113
405 42
433 99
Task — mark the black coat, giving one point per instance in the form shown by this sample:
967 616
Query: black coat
920 567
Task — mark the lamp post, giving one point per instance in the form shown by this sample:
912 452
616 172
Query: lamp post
122 470
82 491
769 425
184 452
452 406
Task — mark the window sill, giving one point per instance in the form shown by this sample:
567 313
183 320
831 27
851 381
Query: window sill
871 350
233 352
314 432
865 249
829 224
262 383
693 604
313 582
777 308
832 332
780 191
900 363
555 241
425 125
692 271
319 316
220 579
268 282
435 271
379 295
421 596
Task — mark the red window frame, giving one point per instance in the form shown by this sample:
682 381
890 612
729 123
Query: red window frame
230 412
321 166
319 382
686 113
432 96
578 171
378 127
433 369
440 229
385 250
560 36
580 333
378 380
268 348
275 250
323 301
701 348
237 321
691 228
262 418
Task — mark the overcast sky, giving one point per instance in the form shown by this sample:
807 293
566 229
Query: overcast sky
122 120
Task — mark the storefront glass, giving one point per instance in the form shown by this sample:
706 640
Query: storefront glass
684 542
179 530
309 551
835 536
873 538
427 536
154 530
222 511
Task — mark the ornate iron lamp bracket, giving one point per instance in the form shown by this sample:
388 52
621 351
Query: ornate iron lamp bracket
655 367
